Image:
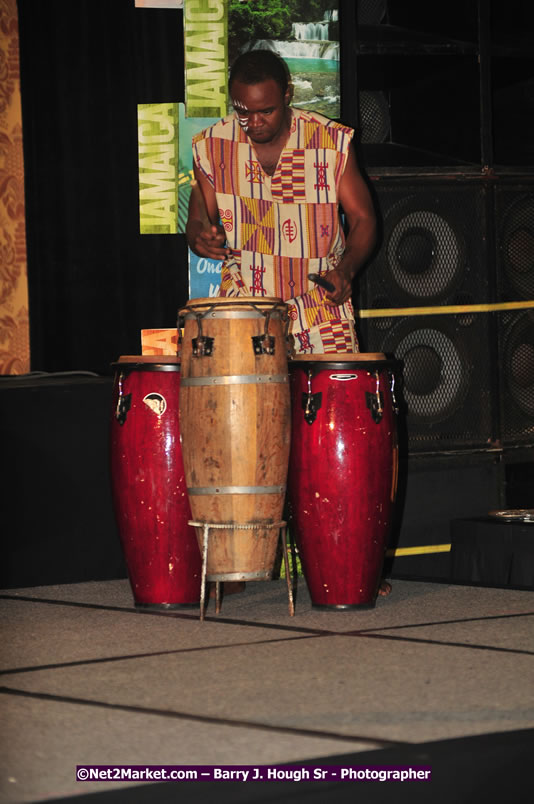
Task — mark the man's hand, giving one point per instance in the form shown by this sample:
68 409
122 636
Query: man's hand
343 287
205 237
210 243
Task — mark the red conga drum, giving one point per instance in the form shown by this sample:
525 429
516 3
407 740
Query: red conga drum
148 484
342 473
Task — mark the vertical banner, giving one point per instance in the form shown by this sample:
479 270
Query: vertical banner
14 321
206 57
157 131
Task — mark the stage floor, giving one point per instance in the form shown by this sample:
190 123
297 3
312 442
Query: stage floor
435 674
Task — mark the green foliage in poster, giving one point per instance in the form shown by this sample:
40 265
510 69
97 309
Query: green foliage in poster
269 19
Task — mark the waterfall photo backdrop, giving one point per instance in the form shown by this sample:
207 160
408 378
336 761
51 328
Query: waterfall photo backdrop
305 33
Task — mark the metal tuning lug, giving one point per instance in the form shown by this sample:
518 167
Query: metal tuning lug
264 344
311 402
375 402
393 397
202 344
124 403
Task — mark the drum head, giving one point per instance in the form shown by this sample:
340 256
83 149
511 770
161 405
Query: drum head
223 303
350 361
341 357
148 362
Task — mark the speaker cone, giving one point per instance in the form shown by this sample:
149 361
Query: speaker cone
424 249
375 120
518 364
435 372
517 246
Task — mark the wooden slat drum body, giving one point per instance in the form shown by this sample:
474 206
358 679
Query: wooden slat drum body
148 483
342 473
235 423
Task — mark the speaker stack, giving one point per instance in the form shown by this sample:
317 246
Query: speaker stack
450 289
514 225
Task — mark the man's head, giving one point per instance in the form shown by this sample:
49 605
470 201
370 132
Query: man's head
257 66
260 93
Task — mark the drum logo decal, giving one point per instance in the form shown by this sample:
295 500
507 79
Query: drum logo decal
343 377
156 402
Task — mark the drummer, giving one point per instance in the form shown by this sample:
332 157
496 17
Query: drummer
273 178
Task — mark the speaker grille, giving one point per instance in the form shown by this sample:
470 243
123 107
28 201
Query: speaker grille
446 383
371 12
375 121
434 253
433 245
516 360
515 252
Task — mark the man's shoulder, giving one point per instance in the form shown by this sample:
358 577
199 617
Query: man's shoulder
318 131
304 116
221 129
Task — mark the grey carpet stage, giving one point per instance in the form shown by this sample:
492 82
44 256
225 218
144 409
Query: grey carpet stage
435 675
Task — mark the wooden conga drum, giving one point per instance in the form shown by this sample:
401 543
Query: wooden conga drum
235 423
342 473
148 484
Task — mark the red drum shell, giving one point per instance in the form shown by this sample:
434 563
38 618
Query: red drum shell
342 476
148 485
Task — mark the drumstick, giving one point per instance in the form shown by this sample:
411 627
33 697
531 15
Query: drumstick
196 192
323 283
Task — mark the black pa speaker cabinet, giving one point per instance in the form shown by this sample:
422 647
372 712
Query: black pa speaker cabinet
433 253
514 228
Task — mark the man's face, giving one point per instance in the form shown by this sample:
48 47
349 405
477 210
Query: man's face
260 109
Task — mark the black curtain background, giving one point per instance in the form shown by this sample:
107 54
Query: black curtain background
94 281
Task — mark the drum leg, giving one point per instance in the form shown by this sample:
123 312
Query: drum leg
217 597
205 539
288 578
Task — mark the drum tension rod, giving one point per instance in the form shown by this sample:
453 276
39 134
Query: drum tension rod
394 402
202 344
311 402
375 402
263 344
124 402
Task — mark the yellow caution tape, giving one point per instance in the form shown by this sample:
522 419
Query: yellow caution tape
417 551
446 309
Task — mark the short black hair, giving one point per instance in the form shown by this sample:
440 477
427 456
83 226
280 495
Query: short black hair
256 66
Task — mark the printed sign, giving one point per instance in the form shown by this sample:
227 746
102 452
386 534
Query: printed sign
206 57
157 132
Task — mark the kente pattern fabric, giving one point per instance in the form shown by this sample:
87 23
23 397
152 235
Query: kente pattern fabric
283 227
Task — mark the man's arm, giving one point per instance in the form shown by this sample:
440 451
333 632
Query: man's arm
204 235
357 205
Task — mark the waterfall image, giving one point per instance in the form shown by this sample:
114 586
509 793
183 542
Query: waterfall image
305 34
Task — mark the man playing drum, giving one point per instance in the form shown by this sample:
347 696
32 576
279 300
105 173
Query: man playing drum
272 178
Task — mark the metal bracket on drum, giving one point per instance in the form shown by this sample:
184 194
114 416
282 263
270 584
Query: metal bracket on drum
393 397
311 402
206 526
375 402
124 403
264 344
202 344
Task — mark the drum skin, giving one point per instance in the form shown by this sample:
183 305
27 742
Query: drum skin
148 485
342 476
235 425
